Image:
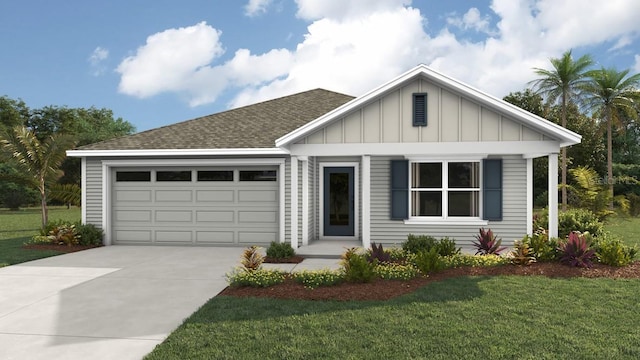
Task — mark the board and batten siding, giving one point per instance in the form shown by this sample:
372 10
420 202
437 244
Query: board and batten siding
512 227
93 192
450 118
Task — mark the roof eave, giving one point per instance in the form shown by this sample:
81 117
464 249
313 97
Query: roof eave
177 152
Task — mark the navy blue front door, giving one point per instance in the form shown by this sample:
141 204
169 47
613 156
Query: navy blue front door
338 201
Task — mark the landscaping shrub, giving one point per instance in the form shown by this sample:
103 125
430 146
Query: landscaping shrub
417 243
543 248
611 251
395 271
315 278
89 234
356 267
447 247
52 224
378 254
428 261
522 254
396 254
580 220
487 243
64 234
251 258
255 278
576 251
474 260
278 250
634 203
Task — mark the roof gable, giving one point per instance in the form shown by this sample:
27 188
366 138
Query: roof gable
250 127
516 115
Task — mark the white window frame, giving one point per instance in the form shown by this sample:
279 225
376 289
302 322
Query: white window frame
445 219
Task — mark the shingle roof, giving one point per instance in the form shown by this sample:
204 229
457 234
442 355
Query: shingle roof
252 126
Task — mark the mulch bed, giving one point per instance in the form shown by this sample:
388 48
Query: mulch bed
388 289
61 248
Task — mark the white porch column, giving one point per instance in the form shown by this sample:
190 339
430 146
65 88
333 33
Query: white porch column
294 202
305 200
553 195
366 201
529 196
83 187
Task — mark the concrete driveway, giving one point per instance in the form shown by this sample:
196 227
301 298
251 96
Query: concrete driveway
115 302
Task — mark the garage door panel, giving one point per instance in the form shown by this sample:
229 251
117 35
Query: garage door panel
174 195
226 216
133 236
174 216
197 212
257 216
214 237
133 215
173 236
214 195
135 196
247 237
257 195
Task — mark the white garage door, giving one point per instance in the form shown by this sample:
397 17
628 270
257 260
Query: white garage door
198 206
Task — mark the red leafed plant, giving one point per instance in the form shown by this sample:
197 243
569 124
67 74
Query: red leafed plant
576 251
487 243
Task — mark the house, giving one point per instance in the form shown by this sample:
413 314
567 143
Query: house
421 154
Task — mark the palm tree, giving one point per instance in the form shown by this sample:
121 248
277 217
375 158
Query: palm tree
613 96
38 160
563 83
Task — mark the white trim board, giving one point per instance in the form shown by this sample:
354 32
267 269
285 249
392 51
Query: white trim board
177 152
356 198
433 149
107 165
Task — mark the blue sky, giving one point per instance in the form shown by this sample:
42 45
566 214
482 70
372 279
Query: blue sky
157 63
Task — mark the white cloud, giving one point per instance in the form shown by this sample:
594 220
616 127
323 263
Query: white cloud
96 59
352 48
471 20
171 61
256 7
636 65
340 9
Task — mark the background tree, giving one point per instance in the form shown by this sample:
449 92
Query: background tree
85 125
38 161
613 96
563 83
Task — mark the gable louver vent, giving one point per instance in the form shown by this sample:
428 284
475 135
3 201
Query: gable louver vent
420 109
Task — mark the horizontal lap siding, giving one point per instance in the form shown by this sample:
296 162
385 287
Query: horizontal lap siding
513 226
93 191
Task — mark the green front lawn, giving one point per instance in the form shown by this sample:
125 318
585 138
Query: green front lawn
628 228
506 317
17 227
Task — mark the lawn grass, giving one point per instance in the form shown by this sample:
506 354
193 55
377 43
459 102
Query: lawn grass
628 228
505 317
17 227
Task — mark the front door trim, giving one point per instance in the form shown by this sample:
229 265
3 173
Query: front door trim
356 199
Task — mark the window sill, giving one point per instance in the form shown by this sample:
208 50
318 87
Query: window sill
448 222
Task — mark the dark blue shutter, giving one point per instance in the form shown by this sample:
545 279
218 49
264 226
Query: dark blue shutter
420 109
399 189
492 189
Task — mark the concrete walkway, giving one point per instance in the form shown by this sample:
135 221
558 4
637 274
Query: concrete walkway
115 302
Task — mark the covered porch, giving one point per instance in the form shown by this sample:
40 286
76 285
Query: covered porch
311 243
